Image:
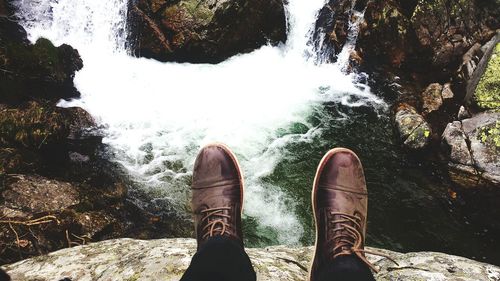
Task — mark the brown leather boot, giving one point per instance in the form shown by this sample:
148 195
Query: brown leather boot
340 202
217 198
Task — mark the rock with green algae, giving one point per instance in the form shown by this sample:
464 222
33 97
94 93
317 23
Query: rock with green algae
167 259
414 131
487 95
39 71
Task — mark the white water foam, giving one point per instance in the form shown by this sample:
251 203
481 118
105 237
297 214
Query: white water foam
158 115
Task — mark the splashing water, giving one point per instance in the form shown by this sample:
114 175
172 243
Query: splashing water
158 115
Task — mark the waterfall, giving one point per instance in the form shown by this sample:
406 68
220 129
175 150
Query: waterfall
158 115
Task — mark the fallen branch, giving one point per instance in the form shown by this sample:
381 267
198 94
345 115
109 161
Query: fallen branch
38 221
155 28
15 232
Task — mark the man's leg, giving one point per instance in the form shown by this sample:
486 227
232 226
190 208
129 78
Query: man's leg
4 276
220 259
217 204
346 268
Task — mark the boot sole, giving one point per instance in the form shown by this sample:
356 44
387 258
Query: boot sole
321 165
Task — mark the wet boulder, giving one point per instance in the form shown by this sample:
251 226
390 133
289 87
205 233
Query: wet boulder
332 27
37 71
9 29
204 31
413 130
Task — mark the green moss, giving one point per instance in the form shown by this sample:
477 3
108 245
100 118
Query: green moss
427 133
487 94
200 12
490 135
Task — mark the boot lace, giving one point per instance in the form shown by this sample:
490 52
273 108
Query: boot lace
348 239
215 221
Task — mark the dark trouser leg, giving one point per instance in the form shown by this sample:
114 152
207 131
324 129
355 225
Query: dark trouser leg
220 259
346 268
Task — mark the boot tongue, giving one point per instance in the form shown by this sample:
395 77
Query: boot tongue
343 234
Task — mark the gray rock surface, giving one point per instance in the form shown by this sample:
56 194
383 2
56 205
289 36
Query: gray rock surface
455 137
31 194
167 259
413 129
482 143
474 146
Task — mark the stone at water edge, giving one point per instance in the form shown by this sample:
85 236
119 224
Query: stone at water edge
41 71
332 27
474 146
167 259
414 131
204 31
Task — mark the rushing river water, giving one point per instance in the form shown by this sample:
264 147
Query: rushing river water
276 108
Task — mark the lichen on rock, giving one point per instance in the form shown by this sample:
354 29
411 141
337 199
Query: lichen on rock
167 259
414 131
490 135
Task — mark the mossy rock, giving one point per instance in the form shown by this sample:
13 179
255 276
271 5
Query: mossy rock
33 125
41 70
487 95
204 31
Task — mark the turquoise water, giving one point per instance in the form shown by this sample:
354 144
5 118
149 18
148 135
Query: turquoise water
412 206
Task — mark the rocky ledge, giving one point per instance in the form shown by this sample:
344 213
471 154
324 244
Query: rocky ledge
167 259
